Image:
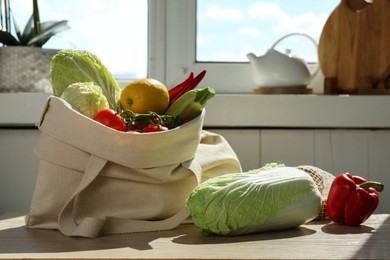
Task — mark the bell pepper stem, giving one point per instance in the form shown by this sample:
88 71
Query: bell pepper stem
376 185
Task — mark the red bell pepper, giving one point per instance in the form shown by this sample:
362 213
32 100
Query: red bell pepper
352 199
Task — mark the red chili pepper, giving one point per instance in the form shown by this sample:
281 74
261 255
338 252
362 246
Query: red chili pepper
187 85
175 91
352 199
197 79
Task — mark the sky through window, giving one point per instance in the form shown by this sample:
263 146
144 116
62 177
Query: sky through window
228 29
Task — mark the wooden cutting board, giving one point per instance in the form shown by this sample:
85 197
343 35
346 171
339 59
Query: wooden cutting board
354 47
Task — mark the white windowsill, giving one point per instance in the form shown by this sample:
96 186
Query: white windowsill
258 111
299 111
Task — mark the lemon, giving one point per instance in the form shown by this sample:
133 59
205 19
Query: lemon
145 95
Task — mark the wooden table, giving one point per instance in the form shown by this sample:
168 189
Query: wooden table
315 240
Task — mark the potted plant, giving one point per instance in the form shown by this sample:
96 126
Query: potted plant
24 63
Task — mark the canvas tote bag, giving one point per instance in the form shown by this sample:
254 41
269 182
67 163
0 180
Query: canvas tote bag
93 180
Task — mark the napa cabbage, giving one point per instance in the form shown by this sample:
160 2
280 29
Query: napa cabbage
72 66
271 198
85 97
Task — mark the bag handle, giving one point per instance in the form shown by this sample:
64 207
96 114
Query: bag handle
92 227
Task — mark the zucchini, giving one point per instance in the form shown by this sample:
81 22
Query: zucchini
191 103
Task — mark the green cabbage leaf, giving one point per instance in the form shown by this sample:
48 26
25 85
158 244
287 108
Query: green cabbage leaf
72 66
85 97
274 197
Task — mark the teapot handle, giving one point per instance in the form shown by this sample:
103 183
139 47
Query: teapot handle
307 36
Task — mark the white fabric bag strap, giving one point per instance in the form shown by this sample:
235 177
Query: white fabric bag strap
92 227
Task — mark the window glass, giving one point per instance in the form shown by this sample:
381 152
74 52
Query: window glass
228 29
114 30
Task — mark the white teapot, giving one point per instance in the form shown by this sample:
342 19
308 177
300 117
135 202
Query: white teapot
276 69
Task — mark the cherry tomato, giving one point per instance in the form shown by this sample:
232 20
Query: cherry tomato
154 128
110 118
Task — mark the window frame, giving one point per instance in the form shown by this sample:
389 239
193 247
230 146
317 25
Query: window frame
172 50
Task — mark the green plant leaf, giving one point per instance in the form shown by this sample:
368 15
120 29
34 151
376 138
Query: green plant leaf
28 32
48 29
54 24
17 30
29 37
7 39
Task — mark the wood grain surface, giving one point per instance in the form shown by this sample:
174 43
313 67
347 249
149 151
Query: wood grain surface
315 240
283 90
355 44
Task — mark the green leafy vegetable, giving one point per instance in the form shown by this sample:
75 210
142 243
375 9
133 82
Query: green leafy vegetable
72 66
267 166
274 198
85 97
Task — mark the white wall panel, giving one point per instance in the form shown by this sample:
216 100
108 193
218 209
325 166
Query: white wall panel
323 150
350 151
379 165
362 152
291 147
19 168
246 145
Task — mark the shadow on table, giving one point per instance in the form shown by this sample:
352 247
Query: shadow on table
201 238
335 229
377 246
24 240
